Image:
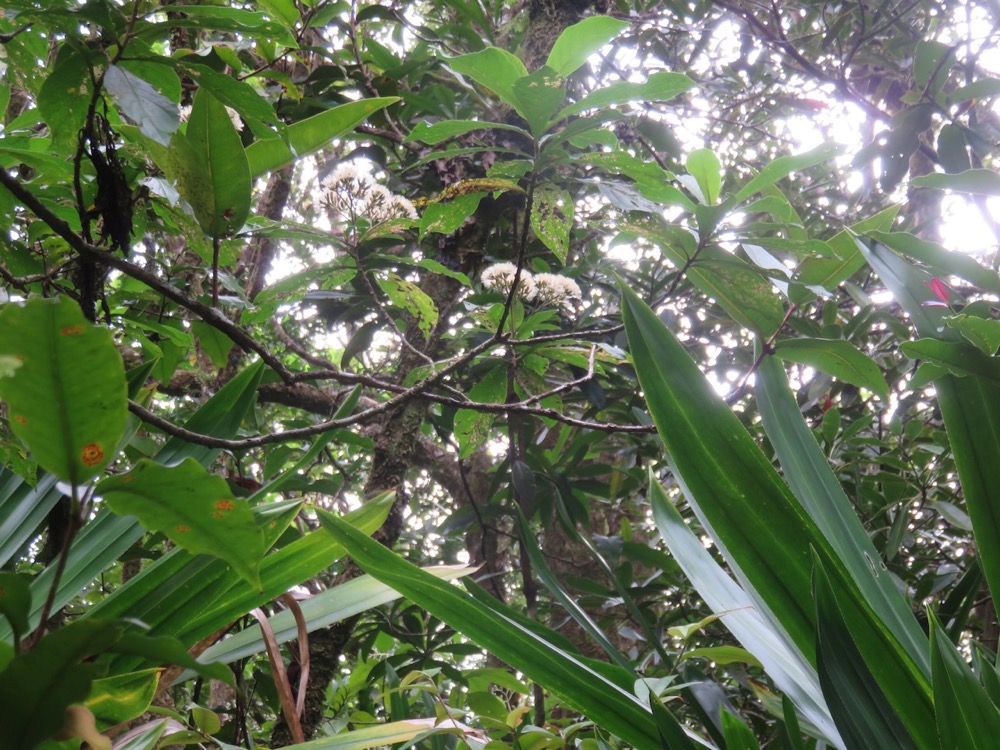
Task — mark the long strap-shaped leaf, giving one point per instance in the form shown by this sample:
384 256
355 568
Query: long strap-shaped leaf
809 475
763 531
792 674
587 691
970 407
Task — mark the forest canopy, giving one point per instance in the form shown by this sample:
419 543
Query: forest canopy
483 374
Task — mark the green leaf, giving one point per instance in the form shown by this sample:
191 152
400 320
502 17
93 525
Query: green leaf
742 291
38 685
157 117
976 181
471 426
385 735
983 332
122 697
659 87
580 41
493 68
738 734
984 88
232 92
704 166
320 611
589 692
724 655
958 357
552 219
64 98
15 601
168 650
408 296
784 166
193 508
441 131
759 525
941 261
539 96
966 717
810 477
785 664
864 716
446 217
311 134
930 68
838 358
67 401
952 149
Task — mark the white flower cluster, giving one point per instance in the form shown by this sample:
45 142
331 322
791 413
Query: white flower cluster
351 195
542 288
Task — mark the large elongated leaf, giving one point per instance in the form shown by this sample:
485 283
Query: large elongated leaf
587 691
333 605
970 407
311 134
193 508
763 531
966 717
580 41
838 358
812 480
66 391
659 87
863 714
784 663
210 167
782 167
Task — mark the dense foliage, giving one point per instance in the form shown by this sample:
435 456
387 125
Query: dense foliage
473 373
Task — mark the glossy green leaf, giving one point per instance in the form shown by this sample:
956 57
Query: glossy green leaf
751 625
441 131
984 333
784 166
195 509
65 97
192 597
758 524
941 261
382 735
115 699
157 117
863 714
232 92
410 297
493 68
15 601
539 95
552 219
704 166
322 610
587 691
210 167
67 401
472 427
578 42
742 291
659 87
984 88
838 358
738 734
952 149
966 717
38 685
976 181
958 357
106 537
311 134
447 216
724 655
970 407
810 477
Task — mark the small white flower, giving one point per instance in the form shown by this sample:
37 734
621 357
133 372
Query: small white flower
235 119
347 192
500 277
554 289
377 204
403 209
185 112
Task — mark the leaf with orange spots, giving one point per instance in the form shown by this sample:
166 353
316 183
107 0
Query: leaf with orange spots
194 508
65 389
